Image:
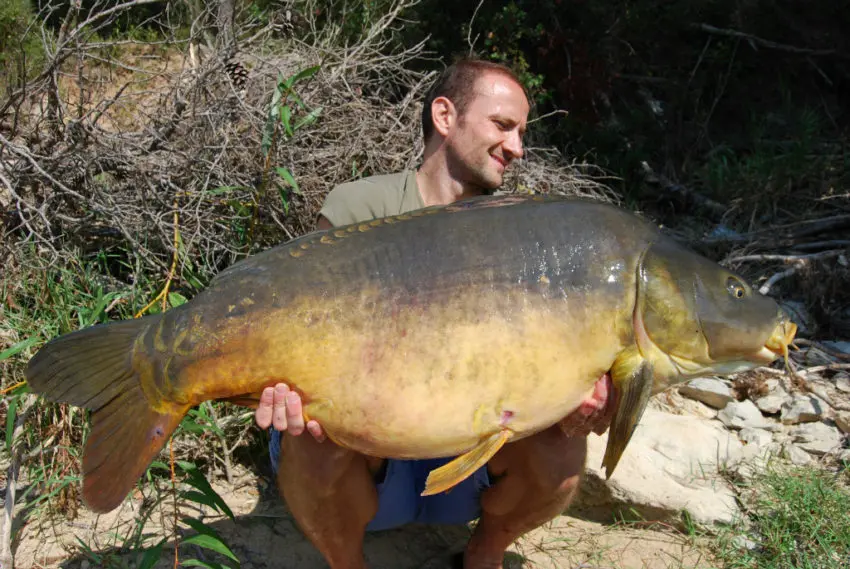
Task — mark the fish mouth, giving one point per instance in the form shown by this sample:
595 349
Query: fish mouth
777 345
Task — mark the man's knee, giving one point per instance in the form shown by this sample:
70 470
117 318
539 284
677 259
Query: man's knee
542 471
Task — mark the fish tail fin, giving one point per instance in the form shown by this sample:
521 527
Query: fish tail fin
92 368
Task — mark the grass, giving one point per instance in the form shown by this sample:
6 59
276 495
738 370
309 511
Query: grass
39 304
798 518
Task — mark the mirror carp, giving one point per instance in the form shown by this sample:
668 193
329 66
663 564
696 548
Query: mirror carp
448 331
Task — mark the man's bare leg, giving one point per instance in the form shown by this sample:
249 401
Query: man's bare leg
537 478
331 493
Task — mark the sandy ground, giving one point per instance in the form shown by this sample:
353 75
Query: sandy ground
264 536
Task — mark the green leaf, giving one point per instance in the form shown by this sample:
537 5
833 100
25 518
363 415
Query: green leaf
200 498
151 556
11 413
196 479
19 347
310 118
198 563
288 178
176 299
286 118
211 543
303 74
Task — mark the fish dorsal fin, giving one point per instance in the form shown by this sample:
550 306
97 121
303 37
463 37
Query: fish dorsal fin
633 378
454 472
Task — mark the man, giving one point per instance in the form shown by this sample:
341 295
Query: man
473 120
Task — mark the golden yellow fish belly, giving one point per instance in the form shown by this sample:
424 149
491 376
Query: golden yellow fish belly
478 367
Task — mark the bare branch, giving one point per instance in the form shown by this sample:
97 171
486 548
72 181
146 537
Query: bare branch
767 43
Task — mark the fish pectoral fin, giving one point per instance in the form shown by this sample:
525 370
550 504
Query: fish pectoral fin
633 378
454 472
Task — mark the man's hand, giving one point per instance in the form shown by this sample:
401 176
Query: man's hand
281 407
594 414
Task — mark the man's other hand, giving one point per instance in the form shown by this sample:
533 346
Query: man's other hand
280 407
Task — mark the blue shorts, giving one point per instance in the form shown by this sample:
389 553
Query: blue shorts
399 500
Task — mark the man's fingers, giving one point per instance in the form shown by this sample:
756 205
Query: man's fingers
263 414
316 430
279 419
294 415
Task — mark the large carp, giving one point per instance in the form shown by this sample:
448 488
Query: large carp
451 330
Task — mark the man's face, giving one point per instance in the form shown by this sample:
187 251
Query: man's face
488 135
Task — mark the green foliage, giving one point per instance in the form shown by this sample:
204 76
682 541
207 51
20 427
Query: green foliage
21 51
799 519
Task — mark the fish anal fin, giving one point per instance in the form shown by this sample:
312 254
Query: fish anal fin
454 472
125 437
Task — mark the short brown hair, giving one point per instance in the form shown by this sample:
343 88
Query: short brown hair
456 82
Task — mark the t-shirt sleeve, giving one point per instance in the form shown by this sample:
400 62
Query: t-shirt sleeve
356 202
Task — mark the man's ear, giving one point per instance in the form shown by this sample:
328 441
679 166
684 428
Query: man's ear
443 114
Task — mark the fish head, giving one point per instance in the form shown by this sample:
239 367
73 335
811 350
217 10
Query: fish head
705 318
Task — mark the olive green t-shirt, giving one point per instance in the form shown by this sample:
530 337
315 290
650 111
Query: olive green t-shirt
373 197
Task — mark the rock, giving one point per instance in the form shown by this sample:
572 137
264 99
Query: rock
796 455
740 414
802 409
753 459
800 316
843 347
671 401
817 438
670 465
757 437
743 542
710 390
842 382
775 398
842 421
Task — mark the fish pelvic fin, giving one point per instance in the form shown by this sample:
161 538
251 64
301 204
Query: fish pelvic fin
633 378
456 471
93 368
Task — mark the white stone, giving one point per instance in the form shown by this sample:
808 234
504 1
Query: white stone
796 455
842 420
802 409
772 402
709 390
757 437
817 438
842 382
670 465
743 542
740 414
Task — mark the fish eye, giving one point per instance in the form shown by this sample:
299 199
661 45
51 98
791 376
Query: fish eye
735 288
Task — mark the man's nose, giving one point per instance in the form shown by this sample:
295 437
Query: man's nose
513 144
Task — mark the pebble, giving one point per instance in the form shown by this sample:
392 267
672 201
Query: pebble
740 414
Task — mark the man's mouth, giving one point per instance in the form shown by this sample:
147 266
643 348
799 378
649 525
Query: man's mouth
501 161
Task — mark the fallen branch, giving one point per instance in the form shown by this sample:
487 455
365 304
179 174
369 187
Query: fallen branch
683 193
787 258
765 288
767 43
